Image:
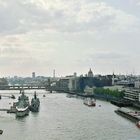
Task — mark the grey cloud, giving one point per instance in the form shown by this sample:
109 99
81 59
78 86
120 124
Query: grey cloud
82 32
12 51
109 56
20 17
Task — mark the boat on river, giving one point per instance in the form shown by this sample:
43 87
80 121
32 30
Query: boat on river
35 103
90 102
133 116
22 106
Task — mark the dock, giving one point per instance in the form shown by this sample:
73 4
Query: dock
8 96
3 109
11 110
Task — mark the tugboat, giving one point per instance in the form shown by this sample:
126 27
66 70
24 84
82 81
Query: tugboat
89 102
22 106
35 103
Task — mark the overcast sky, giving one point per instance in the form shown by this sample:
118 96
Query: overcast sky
69 36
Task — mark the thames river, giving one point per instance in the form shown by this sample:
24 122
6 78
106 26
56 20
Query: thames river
63 118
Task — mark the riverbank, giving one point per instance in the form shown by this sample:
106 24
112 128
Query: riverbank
119 102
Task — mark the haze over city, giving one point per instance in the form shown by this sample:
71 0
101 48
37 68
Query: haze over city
69 36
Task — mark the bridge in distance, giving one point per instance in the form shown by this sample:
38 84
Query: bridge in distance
25 87
32 87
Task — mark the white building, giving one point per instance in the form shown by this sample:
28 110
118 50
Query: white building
68 82
132 95
89 90
72 82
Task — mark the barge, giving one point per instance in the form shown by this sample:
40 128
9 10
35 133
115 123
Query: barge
133 116
89 102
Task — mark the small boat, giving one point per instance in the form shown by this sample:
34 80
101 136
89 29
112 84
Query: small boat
89 102
138 124
1 131
13 97
35 103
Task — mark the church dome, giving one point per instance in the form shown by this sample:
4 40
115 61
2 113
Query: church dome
90 73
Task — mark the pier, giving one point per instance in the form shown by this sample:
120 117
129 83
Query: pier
8 96
3 109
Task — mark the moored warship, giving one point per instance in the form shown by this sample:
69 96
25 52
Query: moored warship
22 106
35 103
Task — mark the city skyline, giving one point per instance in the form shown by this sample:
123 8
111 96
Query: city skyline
69 36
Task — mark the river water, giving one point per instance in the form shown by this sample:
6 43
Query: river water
62 118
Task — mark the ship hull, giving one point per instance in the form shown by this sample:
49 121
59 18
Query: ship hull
90 105
22 113
34 108
35 103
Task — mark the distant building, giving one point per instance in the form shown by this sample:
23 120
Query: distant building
3 81
33 74
73 83
68 83
132 95
137 84
90 73
88 90
62 84
75 74
113 79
